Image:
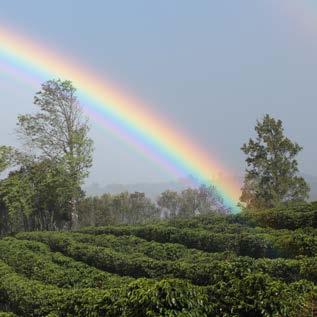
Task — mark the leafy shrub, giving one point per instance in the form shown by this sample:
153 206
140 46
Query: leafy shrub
254 295
292 217
207 272
54 268
255 243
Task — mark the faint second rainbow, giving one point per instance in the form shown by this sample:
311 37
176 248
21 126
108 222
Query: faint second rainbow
128 118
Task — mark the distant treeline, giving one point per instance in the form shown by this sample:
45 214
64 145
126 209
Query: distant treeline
24 210
136 208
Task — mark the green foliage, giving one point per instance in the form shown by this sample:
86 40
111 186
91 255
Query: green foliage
34 260
292 217
271 178
35 197
151 249
254 295
273 298
17 200
254 242
208 269
5 157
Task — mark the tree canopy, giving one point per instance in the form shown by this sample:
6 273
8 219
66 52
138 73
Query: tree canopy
272 176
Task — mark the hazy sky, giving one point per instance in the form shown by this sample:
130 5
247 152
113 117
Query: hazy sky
212 67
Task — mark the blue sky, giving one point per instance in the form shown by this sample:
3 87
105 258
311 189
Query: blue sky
211 67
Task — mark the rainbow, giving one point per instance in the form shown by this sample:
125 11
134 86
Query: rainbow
127 117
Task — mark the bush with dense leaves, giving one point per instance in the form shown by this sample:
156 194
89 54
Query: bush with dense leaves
252 242
254 295
54 268
203 273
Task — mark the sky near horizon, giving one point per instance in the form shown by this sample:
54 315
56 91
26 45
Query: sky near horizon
212 68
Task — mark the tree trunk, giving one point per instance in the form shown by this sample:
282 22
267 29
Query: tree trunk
74 214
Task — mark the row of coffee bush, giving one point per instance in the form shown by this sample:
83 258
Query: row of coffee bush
151 249
54 268
206 273
285 219
238 297
270 243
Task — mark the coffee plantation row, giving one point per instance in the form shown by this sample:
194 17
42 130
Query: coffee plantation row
215 265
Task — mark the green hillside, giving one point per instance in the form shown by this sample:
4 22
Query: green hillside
262 264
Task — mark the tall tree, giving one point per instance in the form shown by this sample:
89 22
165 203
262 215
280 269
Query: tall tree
133 208
169 202
272 169
58 132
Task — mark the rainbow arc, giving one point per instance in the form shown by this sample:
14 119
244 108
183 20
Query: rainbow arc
111 108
